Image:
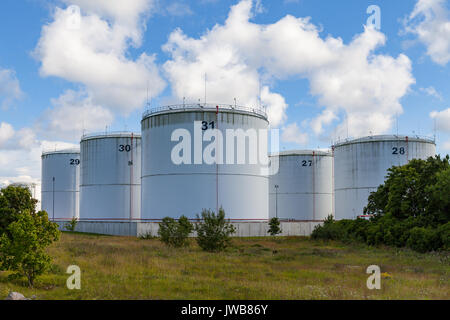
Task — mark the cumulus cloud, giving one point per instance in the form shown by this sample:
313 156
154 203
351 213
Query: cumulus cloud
127 20
88 45
71 114
442 119
345 77
9 88
291 133
430 22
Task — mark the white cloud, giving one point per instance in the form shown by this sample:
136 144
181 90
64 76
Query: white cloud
71 114
344 77
292 133
430 22
128 20
178 9
6 133
431 91
20 154
90 47
446 145
9 88
442 119
325 118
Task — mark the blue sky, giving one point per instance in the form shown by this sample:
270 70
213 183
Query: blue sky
56 82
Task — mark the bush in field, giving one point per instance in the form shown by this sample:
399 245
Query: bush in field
175 233
411 209
213 231
71 225
23 246
274 227
423 239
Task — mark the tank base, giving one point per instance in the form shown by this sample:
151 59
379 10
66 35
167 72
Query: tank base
141 228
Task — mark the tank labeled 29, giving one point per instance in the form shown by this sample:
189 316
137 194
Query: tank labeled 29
74 162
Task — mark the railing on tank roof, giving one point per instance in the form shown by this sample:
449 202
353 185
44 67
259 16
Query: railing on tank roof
207 106
63 150
384 136
108 133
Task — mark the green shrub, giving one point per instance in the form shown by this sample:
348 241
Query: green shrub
444 234
274 227
424 239
213 231
71 225
175 233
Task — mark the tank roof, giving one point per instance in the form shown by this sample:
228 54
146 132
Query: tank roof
205 107
113 134
302 153
61 151
387 137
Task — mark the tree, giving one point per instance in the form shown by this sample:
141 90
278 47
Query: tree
439 202
408 190
175 233
24 249
213 231
274 227
14 200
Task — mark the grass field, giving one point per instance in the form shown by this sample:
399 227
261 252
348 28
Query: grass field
254 268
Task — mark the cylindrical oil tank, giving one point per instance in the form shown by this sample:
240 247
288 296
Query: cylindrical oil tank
302 189
60 183
360 166
110 176
171 188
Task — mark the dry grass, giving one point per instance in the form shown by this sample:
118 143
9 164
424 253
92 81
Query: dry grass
254 268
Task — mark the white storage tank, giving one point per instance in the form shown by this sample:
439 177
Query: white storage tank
110 176
303 188
60 183
171 187
360 166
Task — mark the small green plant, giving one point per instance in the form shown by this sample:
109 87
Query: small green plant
24 249
213 231
175 233
147 236
71 225
274 227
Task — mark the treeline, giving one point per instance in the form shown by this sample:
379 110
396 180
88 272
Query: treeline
411 209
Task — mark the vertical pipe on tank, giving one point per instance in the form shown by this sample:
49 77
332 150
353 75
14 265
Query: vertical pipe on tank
314 185
131 178
332 181
217 159
407 150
